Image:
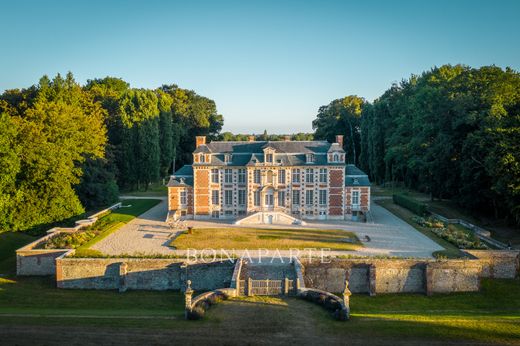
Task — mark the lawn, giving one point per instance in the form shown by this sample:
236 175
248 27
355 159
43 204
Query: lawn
137 317
451 251
259 238
154 190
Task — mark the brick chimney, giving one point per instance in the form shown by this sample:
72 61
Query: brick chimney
339 140
251 138
199 140
287 138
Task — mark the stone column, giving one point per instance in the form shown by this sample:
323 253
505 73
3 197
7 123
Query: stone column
187 299
249 287
346 300
372 280
286 286
123 270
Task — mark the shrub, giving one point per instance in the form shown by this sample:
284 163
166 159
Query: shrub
410 204
463 239
196 313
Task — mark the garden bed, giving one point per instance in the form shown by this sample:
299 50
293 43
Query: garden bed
455 234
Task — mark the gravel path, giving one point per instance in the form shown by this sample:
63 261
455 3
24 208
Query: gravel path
390 236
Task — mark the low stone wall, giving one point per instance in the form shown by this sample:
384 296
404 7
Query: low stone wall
375 276
140 274
41 262
500 264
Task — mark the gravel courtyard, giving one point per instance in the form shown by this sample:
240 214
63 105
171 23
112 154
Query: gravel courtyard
389 235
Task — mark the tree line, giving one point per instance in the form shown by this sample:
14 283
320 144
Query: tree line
65 147
453 132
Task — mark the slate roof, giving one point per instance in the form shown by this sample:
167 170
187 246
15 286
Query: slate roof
183 176
288 153
355 177
293 147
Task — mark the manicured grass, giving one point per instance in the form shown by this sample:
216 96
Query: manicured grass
256 238
451 251
9 243
155 189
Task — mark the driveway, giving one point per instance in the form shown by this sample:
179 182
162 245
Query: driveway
389 235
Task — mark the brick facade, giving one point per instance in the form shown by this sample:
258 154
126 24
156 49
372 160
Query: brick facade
308 180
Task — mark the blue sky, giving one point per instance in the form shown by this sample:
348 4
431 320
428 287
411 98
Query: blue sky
267 64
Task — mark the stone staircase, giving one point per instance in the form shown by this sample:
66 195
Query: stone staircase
269 217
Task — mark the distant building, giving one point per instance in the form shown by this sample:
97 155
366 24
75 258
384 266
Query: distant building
270 181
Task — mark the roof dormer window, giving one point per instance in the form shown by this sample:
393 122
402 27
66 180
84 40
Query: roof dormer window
310 158
269 157
227 158
202 158
335 158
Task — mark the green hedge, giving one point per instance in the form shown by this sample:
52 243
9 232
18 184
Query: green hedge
411 204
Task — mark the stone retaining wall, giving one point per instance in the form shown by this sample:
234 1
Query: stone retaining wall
500 264
375 276
140 274
41 262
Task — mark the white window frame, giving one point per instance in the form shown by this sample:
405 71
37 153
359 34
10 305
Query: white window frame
323 175
228 175
241 175
296 175
242 197
214 176
309 175
296 201
183 198
309 197
228 197
257 176
281 198
281 176
356 199
322 199
215 197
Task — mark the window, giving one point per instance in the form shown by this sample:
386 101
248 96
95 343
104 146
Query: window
269 200
202 158
214 176
228 212
296 175
281 177
241 197
309 196
184 198
241 175
227 158
228 176
310 158
228 197
309 175
281 198
215 197
257 198
335 158
256 176
215 214
323 175
296 197
323 197
355 197
268 157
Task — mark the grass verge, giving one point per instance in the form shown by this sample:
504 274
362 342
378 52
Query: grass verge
255 238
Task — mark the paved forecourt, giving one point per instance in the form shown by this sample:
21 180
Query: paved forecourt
389 235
